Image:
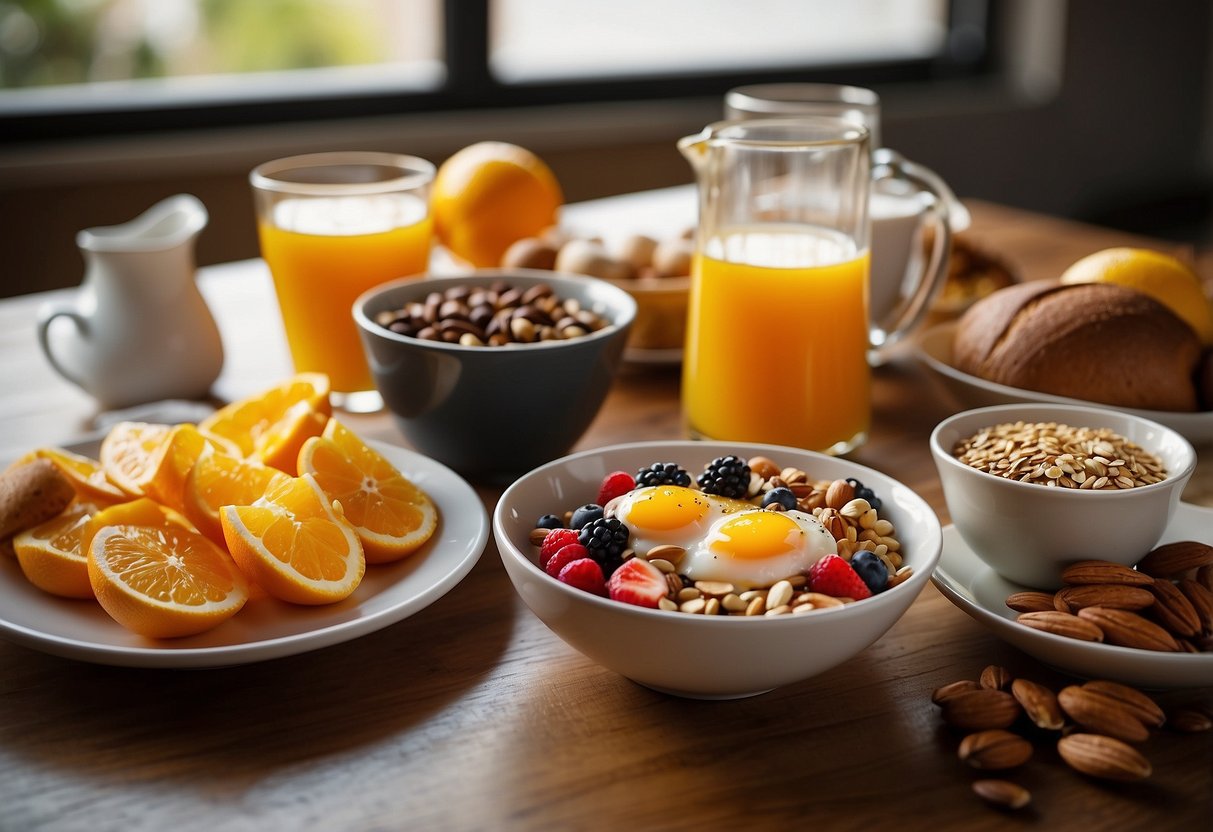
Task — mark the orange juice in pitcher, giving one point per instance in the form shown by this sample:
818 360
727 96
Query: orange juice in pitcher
777 338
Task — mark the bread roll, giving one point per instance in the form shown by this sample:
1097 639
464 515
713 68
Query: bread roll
1095 341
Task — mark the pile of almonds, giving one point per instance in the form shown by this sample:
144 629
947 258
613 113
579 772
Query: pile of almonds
1094 724
632 257
1165 604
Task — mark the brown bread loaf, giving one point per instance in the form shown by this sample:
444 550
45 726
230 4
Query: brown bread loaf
31 494
1095 341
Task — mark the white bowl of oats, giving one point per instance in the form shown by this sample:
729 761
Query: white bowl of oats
1033 488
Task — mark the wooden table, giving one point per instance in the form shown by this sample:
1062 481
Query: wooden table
472 715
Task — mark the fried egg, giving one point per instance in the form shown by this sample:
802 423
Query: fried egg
757 547
725 539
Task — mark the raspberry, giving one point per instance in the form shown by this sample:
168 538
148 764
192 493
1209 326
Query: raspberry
728 476
585 574
553 542
637 582
563 557
613 485
834 576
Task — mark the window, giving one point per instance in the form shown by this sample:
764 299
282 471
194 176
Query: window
72 67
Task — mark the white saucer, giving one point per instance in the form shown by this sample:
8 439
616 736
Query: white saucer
975 588
934 348
265 628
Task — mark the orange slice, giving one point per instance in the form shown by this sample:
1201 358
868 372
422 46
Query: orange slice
272 426
50 554
128 454
391 516
218 480
163 580
86 475
294 544
165 481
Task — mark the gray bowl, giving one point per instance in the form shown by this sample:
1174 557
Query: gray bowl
494 412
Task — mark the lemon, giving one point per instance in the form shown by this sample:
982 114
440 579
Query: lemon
1153 273
488 196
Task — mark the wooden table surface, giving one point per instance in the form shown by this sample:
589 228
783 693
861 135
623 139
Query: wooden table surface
472 715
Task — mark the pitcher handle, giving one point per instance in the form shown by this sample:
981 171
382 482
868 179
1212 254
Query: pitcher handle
889 164
47 314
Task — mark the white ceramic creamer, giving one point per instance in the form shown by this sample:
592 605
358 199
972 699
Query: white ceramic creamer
137 329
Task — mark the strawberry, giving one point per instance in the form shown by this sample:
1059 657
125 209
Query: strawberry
613 485
834 576
637 582
556 539
583 573
564 556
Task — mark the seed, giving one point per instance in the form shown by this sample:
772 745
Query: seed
667 605
779 594
695 605
662 564
719 588
756 606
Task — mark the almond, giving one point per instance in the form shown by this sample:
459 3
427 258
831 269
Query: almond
1030 601
1103 757
1204 577
1174 558
1145 708
839 494
995 749
1039 703
1102 714
980 710
1190 720
1128 629
1002 793
1117 596
996 678
763 467
1103 572
1062 624
1173 610
1201 599
945 692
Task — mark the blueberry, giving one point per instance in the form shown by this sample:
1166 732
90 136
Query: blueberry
782 496
871 570
585 515
549 521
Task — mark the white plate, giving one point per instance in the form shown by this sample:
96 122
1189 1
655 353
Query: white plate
935 350
266 628
976 589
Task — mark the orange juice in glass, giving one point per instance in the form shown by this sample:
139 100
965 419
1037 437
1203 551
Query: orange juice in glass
777 326
802 378
331 226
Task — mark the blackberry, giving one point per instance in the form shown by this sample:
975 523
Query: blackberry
605 539
864 493
782 496
584 515
728 476
549 521
871 570
663 473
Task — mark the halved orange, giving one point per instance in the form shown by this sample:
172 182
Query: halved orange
163 581
391 516
273 425
295 544
218 480
128 453
50 554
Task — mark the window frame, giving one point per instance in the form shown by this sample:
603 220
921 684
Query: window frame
470 85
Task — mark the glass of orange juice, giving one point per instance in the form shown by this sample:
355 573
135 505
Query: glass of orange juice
333 225
777 328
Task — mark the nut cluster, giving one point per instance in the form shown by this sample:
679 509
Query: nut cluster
1058 455
1165 604
496 316
1094 724
636 256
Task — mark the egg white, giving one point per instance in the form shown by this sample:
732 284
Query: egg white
757 547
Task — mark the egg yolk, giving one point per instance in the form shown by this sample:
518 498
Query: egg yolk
667 507
757 535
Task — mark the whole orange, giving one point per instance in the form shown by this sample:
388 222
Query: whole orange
488 196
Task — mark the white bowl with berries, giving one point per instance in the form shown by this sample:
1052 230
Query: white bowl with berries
715 570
